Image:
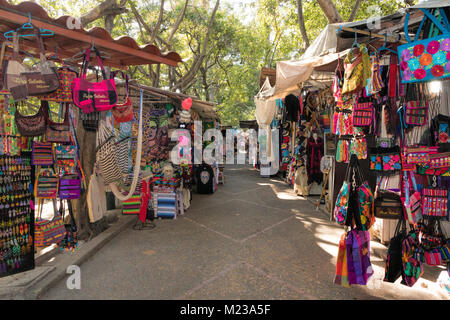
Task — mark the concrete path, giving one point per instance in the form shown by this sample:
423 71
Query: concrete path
252 239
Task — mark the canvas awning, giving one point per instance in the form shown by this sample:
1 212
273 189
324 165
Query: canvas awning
123 51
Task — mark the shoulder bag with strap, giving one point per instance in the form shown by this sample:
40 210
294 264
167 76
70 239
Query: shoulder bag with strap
31 126
94 96
42 78
427 59
123 112
13 74
58 132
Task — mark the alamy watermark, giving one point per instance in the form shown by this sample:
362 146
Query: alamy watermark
74 280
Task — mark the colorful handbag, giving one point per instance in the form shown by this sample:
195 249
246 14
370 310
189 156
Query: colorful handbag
43 77
49 232
363 114
412 203
42 154
46 185
69 186
439 160
94 96
31 126
416 113
58 132
353 72
64 92
341 275
425 60
123 112
358 257
65 152
417 155
412 268
435 202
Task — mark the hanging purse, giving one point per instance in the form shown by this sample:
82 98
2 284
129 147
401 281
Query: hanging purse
353 72
58 132
123 112
107 155
435 202
90 121
47 232
412 203
69 186
363 114
419 154
31 126
94 96
425 60
46 185
64 92
388 204
42 78
393 266
13 74
42 153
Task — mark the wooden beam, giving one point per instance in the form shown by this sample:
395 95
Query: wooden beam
367 33
10 16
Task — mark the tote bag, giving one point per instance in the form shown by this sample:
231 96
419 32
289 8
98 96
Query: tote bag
425 60
93 96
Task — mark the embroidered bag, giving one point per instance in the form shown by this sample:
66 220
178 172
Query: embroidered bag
93 96
42 153
363 114
64 92
425 60
358 257
48 232
412 268
353 71
435 202
420 154
123 112
412 203
31 126
69 186
58 132
43 77
439 160
46 185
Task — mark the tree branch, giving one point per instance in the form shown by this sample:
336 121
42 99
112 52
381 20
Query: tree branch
176 26
97 12
301 23
158 23
354 10
330 11
199 59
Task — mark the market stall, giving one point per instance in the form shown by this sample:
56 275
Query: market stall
58 148
389 119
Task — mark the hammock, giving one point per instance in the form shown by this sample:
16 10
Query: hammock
137 166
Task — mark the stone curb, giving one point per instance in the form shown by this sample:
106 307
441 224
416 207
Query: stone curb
35 289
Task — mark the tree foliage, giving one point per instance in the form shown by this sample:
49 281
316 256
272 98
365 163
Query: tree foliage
222 50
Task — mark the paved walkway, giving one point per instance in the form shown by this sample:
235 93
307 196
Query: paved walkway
252 239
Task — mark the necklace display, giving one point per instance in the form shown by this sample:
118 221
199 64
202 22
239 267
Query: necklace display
16 214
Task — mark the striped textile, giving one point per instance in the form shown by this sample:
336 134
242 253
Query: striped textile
42 154
132 205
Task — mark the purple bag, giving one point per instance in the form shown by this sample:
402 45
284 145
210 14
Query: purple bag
69 186
358 257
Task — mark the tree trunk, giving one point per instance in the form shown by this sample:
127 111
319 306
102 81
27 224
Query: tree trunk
330 11
301 23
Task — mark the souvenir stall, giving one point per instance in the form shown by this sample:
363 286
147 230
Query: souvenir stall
391 101
51 93
389 121
164 189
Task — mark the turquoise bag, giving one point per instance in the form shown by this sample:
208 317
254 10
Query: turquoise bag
428 59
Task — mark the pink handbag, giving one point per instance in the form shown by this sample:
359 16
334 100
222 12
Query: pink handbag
93 96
